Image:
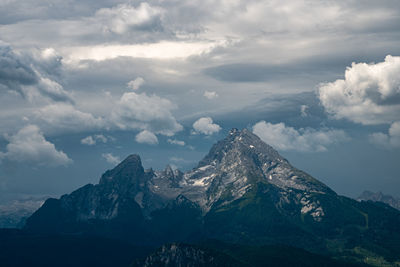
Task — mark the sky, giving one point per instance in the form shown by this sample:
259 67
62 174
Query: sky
83 84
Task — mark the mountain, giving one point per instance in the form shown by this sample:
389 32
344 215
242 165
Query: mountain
241 192
379 196
14 213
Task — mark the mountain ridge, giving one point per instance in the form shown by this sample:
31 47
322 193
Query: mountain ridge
242 191
381 197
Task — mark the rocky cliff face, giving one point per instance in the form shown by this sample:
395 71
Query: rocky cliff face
232 167
242 191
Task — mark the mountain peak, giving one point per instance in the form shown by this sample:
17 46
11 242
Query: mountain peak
243 160
234 132
168 170
242 142
128 168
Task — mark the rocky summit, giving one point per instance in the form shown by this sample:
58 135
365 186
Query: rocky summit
242 191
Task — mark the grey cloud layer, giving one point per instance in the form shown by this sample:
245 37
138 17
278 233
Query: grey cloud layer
200 59
22 73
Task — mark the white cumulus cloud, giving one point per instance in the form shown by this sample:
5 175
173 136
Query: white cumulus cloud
29 145
369 93
146 137
206 126
110 158
92 140
140 111
89 140
283 137
176 142
136 83
390 140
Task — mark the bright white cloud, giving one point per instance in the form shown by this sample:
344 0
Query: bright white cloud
140 111
176 142
136 83
283 137
210 94
390 140
369 94
29 145
92 140
206 126
146 137
124 17
160 50
110 158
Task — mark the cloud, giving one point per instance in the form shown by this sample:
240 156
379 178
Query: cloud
50 62
369 93
303 110
124 17
162 50
29 145
110 158
176 142
101 138
32 76
89 140
136 84
140 111
146 137
131 112
210 94
14 71
61 117
53 90
390 140
92 140
206 126
283 137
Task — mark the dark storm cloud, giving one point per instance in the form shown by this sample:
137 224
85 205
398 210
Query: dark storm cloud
14 72
298 110
320 66
280 108
14 10
29 76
